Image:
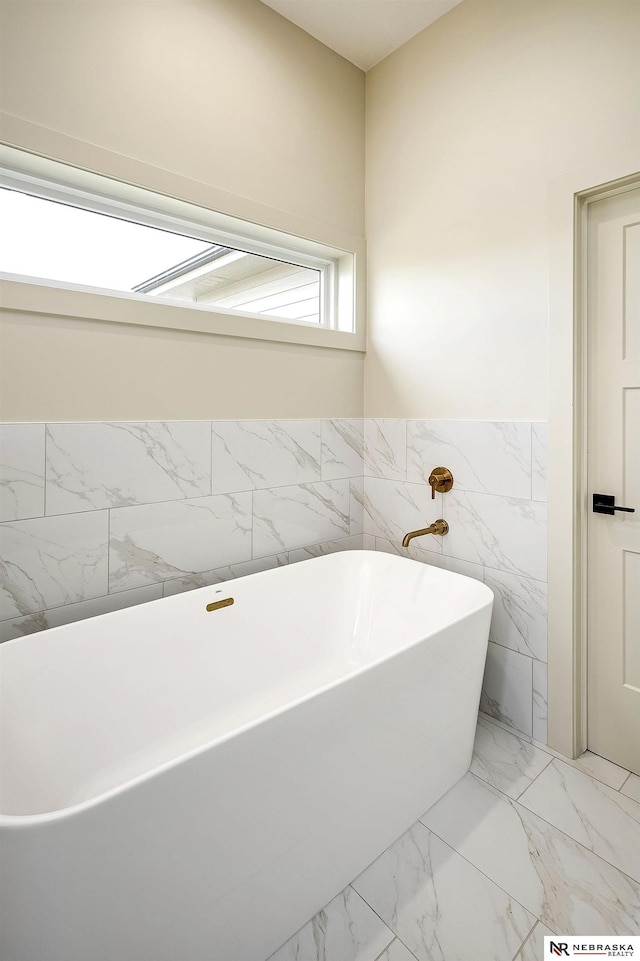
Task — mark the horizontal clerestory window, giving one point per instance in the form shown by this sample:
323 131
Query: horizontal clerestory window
126 241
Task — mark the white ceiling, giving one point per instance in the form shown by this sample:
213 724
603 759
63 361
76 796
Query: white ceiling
362 31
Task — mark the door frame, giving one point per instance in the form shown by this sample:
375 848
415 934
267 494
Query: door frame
569 197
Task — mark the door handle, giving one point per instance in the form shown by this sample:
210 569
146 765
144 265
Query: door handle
605 504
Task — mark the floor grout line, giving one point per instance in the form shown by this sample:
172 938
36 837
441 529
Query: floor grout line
490 880
527 939
534 779
628 778
519 807
555 755
405 946
384 950
364 900
635 881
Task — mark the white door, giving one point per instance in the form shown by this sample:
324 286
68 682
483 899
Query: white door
613 469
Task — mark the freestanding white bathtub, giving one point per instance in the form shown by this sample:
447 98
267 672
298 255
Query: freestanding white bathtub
185 785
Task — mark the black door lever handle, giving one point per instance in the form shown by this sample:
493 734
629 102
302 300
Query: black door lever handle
606 504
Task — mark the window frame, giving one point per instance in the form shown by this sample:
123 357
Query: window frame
340 264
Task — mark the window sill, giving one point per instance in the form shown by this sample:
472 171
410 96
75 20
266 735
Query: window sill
133 309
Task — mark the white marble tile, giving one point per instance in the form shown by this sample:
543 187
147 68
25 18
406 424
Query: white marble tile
385 448
504 760
489 719
158 542
598 767
342 448
598 817
14 627
593 765
368 542
533 948
423 890
287 518
487 456
43 620
391 547
466 568
352 543
192 582
476 571
503 533
631 787
558 880
51 561
94 466
519 619
540 701
21 471
356 505
346 930
397 952
507 688
393 508
258 454
539 460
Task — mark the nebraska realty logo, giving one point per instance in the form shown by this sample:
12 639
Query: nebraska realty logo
564 946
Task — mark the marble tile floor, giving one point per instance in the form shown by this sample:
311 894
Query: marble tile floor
527 844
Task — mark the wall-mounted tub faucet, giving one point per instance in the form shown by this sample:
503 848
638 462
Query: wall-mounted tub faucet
440 480
438 527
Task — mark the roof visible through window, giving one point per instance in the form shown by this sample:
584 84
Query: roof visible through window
69 244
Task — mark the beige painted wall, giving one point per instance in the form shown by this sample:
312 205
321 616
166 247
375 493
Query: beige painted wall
85 370
468 124
231 96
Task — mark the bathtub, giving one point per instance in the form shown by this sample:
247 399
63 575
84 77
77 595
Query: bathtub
190 784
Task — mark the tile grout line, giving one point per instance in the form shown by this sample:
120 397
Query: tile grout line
400 941
585 774
109 554
480 871
533 780
253 524
528 938
33 517
396 937
364 901
499 790
635 881
161 584
531 459
533 706
555 828
512 649
384 950
46 471
554 755
628 778
210 456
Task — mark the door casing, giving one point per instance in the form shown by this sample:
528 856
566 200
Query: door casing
569 197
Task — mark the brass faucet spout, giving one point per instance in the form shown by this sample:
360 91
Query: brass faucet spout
439 527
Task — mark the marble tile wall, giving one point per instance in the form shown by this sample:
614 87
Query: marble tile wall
497 514
99 516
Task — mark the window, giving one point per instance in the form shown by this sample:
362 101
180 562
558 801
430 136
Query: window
81 231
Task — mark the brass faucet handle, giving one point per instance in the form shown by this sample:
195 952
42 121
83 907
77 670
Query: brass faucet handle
441 527
441 480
